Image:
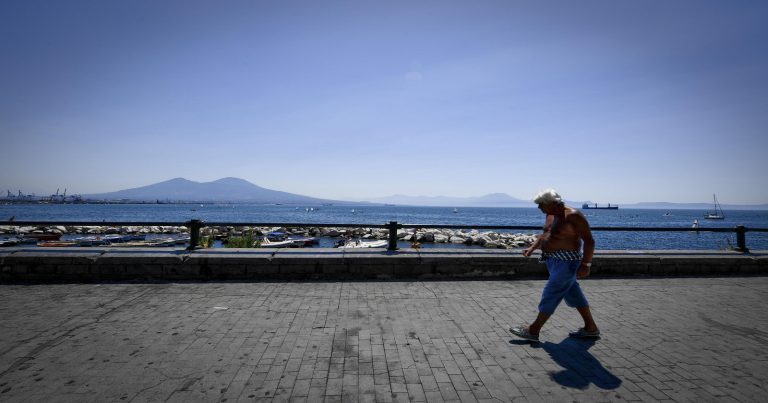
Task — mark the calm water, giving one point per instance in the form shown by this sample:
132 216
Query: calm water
433 216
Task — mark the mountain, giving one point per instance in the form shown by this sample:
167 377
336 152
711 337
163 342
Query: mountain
241 191
489 200
222 190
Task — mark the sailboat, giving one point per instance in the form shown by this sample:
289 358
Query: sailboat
718 214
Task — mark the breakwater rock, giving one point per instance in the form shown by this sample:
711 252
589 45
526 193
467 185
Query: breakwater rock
488 239
434 235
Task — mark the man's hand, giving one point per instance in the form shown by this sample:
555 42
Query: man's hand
583 271
527 252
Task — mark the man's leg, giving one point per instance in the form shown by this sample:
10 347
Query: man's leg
575 298
589 322
536 326
560 280
586 314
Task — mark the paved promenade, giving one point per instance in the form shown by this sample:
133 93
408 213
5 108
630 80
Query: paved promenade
682 339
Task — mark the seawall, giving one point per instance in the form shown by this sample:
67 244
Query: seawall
168 264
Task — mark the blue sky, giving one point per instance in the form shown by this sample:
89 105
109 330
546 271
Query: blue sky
610 101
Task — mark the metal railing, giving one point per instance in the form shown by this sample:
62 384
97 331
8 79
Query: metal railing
196 225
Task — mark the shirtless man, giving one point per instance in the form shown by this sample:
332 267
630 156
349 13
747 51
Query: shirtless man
564 231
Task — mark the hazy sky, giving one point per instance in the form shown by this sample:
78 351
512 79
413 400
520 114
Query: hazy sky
610 101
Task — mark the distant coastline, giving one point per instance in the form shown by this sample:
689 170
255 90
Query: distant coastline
88 201
635 206
239 191
203 202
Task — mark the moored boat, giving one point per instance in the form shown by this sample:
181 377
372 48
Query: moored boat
35 237
182 240
266 243
277 236
142 242
115 238
131 244
302 242
161 242
357 244
57 244
91 241
9 242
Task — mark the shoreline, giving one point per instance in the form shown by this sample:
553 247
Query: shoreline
663 206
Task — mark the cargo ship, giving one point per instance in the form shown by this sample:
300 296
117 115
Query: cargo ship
586 206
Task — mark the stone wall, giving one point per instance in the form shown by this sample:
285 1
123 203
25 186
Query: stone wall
110 264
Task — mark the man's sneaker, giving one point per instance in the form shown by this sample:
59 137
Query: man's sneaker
583 334
523 333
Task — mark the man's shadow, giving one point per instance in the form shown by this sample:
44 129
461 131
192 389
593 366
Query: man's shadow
580 367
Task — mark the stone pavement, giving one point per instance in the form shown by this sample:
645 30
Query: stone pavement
682 339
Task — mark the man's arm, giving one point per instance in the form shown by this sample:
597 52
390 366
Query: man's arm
547 228
582 229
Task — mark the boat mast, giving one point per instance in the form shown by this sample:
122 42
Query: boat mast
721 213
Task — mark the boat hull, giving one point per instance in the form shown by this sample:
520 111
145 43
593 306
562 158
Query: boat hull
281 244
41 237
586 206
363 244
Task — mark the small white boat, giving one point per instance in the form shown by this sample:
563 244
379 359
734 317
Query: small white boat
357 244
9 241
91 241
139 244
302 242
266 243
160 242
115 238
182 240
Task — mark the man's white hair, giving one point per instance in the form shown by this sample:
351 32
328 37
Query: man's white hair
548 196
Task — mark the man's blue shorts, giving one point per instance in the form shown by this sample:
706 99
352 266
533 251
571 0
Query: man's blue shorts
562 285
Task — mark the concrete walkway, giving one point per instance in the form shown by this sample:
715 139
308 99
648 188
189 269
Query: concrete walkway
683 339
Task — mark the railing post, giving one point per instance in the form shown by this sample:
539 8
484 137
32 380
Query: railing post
392 236
194 233
741 239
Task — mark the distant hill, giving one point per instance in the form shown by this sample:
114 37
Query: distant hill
222 190
694 206
489 200
505 200
241 191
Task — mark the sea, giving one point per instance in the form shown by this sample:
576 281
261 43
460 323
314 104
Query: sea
432 217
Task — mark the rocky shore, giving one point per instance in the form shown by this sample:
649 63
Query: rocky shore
486 239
